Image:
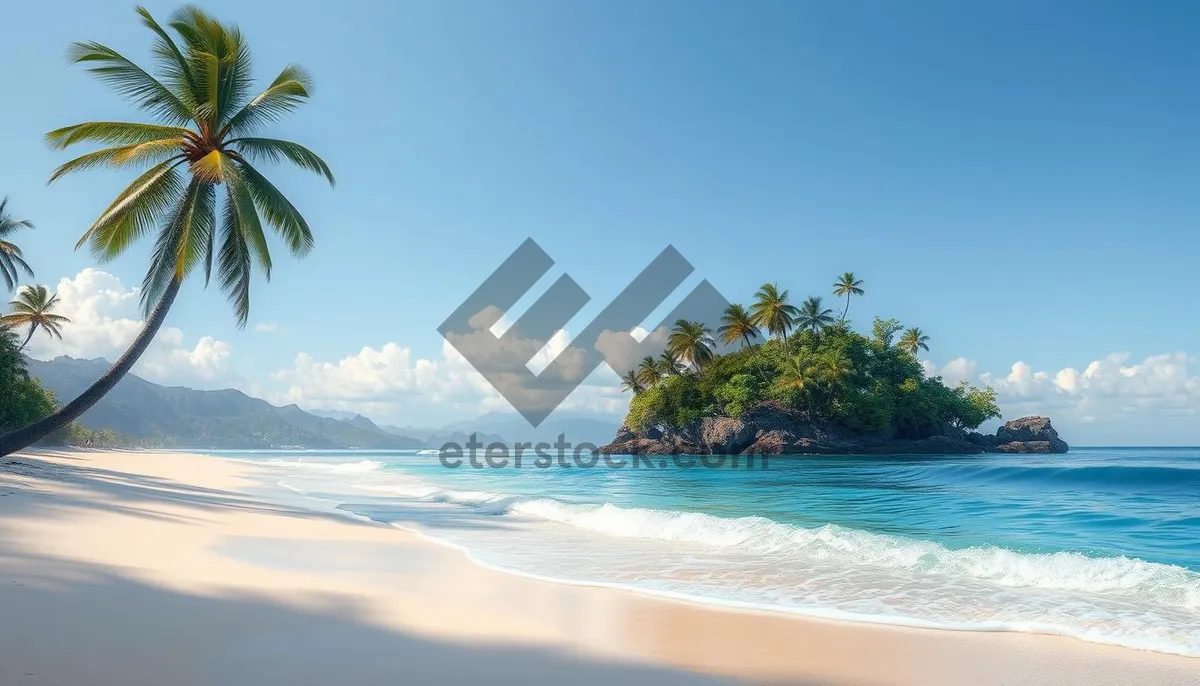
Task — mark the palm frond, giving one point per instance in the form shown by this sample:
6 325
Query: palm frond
289 90
171 60
276 150
131 81
122 156
114 133
278 211
134 211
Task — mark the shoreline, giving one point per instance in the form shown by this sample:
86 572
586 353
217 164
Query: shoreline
179 507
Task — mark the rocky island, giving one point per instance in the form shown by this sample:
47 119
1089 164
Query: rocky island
771 429
775 378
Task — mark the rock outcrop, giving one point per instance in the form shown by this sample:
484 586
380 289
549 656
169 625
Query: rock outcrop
771 429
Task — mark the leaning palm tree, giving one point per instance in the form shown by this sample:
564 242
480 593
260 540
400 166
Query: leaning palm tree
691 342
814 316
34 307
11 262
913 341
771 311
201 149
630 382
648 373
736 324
847 286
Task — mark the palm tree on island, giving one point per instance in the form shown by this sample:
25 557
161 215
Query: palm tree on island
813 315
648 372
847 286
201 196
630 382
771 311
913 340
737 324
11 261
668 364
691 342
34 307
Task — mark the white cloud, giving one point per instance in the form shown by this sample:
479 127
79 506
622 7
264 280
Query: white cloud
392 383
953 372
104 320
266 327
1124 400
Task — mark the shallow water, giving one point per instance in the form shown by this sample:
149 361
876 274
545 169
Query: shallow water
1102 544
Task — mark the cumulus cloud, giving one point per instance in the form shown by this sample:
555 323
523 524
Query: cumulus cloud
1113 390
1110 387
266 327
104 320
392 382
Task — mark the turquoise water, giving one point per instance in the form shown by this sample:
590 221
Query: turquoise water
1102 544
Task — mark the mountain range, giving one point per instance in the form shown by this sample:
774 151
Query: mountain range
178 417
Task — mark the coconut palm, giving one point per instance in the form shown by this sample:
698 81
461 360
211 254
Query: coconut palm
11 262
668 364
913 341
647 372
799 373
736 324
691 342
835 366
771 311
201 150
847 286
34 307
813 315
630 382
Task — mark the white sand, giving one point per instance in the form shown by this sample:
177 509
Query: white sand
132 569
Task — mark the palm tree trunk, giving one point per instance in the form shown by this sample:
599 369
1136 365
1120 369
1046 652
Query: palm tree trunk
32 328
846 309
27 436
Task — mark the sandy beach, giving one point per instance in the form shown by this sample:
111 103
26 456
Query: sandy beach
130 569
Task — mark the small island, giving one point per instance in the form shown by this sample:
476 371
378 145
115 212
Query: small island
813 386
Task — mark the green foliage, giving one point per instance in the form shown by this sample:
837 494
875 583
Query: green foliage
22 398
884 331
739 393
827 371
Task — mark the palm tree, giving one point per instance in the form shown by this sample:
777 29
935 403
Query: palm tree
736 325
201 145
771 311
913 340
847 286
798 373
835 366
813 315
691 342
630 382
11 262
34 307
668 364
647 372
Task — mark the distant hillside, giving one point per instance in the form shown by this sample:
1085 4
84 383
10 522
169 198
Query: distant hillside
177 417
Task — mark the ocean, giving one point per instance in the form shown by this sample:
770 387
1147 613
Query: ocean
1102 544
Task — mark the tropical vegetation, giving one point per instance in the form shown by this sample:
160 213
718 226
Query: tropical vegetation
200 192
34 309
814 363
12 262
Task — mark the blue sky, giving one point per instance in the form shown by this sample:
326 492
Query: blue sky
1018 179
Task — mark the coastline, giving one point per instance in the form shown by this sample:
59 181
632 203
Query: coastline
130 543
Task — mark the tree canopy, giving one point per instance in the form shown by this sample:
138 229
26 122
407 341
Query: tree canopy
873 384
